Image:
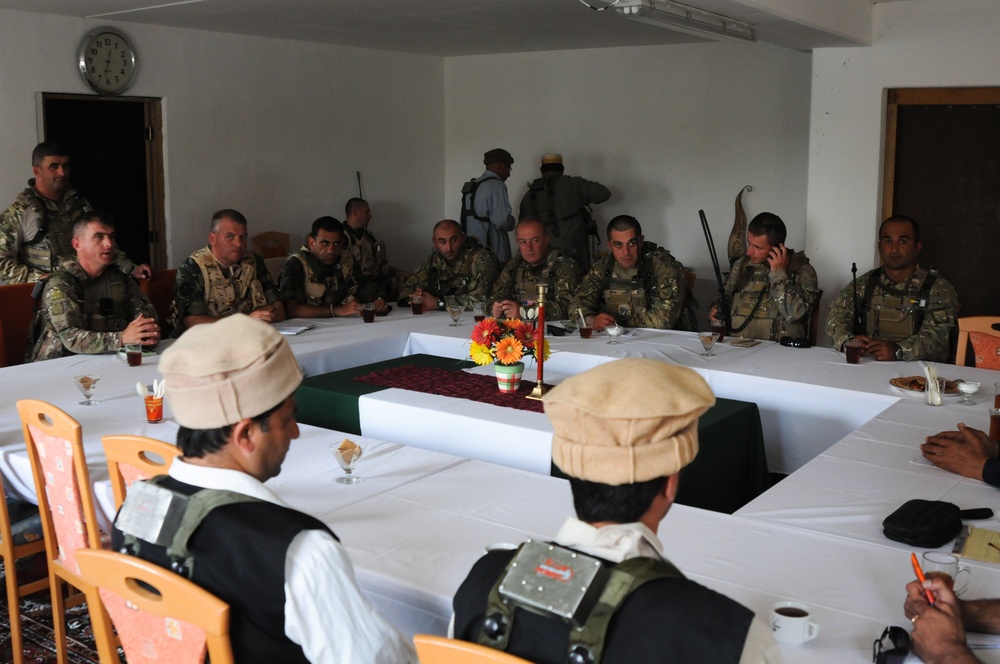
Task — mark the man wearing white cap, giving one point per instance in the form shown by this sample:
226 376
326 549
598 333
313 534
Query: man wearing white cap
623 450
289 583
563 203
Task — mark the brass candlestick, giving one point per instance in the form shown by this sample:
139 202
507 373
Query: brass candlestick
540 345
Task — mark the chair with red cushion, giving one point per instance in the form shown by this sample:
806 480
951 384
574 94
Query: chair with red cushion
985 338
20 536
132 458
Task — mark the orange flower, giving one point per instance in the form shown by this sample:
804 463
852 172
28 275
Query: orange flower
511 323
485 332
524 332
509 350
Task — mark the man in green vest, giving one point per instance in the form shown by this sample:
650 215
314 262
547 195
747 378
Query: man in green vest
225 278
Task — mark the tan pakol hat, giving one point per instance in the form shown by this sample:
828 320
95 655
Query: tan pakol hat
627 421
551 158
227 371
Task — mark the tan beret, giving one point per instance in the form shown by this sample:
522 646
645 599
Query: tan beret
230 370
551 158
627 421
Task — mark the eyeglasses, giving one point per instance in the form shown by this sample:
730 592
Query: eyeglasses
900 640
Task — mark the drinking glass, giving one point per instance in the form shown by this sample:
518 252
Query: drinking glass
455 311
348 460
708 340
615 331
479 311
968 388
87 385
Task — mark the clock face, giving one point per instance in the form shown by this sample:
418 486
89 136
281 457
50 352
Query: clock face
107 61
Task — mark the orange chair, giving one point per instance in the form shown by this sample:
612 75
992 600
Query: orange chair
160 291
132 458
159 616
983 324
10 551
18 309
65 503
439 650
271 244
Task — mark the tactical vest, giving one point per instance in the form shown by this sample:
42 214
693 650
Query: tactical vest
754 314
367 251
319 288
239 294
239 555
893 315
45 244
469 190
526 281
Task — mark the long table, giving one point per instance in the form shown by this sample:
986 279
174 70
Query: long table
730 470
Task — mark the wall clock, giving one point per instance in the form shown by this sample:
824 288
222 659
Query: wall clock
107 61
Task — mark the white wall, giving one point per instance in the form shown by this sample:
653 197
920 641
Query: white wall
918 43
668 129
273 128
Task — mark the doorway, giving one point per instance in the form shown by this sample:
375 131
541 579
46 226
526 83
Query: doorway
116 152
942 167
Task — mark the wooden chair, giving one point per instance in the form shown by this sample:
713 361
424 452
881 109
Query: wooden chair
160 291
814 319
131 458
12 548
271 244
690 276
160 616
65 503
18 309
274 265
983 324
439 650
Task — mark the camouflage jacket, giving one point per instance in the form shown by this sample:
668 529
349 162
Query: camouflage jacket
21 260
469 280
778 304
79 314
249 286
519 282
372 272
895 313
305 279
560 202
653 294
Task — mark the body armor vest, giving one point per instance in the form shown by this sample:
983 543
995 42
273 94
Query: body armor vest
105 303
894 315
625 298
754 314
318 288
526 281
240 293
367 251
45 244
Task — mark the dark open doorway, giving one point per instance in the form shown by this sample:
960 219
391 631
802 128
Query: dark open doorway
116 154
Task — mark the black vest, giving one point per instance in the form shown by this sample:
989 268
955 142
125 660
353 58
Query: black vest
673 621
239 555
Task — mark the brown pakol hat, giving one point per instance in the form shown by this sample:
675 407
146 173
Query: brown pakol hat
627 421
230 370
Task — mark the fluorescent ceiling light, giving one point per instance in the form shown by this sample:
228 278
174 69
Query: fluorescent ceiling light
677 16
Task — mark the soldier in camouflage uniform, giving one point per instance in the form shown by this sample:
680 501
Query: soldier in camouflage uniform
562 202
535 264
638 285
36 231
318 280
376 278
89 306
771 290
907 312
224 278
459 268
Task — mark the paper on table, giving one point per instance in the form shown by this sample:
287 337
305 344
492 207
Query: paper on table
292 330
978 544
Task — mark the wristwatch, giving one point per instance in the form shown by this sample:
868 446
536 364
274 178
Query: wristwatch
899 353
441 305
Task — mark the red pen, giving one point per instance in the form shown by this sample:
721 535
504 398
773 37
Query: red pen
920 576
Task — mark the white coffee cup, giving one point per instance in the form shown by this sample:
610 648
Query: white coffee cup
790 623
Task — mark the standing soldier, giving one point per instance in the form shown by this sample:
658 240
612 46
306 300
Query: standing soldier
376 278
562 202
458 268
536 263
36 231
638 285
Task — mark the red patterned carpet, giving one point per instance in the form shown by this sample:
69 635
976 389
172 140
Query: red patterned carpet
36 622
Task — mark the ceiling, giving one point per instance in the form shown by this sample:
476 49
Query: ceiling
469 27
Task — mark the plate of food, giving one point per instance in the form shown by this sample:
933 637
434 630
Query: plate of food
919 384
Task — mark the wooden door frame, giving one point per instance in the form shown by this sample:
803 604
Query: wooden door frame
896 97
153 118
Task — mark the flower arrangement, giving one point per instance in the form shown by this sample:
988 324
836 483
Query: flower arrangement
504 341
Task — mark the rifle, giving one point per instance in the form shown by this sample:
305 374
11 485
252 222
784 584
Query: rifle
723 313
857 325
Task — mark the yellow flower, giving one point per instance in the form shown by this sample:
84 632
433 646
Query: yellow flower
480 354
548 351
509 350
